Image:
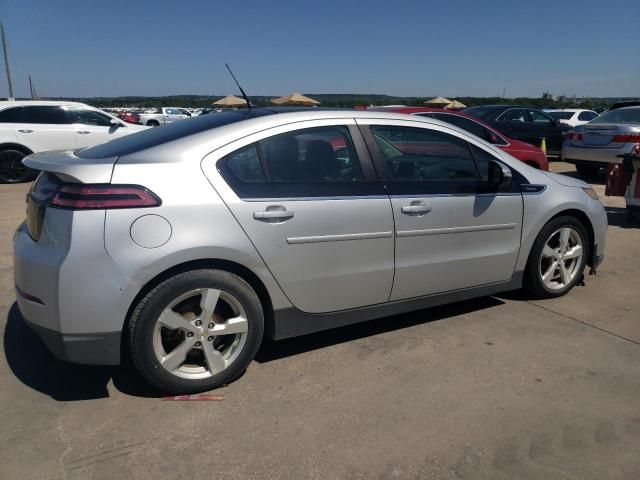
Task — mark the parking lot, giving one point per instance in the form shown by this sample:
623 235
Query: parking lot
496 388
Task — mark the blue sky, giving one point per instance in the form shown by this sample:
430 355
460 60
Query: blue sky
401 47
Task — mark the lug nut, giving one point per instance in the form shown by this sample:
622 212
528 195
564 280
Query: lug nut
211 325
210 339
198 344
189 334
198 323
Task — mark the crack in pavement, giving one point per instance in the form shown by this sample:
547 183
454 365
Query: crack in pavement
587 324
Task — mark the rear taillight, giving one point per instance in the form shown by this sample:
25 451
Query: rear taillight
102 196
626 138
574 136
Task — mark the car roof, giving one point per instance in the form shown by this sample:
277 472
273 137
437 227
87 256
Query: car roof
569 110
183 136
37 103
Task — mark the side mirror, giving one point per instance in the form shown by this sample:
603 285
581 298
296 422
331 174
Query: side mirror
115 123
499 175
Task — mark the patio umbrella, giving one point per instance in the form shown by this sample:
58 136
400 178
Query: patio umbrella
456 105
231 101
438 102
295 99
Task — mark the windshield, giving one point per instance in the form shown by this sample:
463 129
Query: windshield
159 135
561 115
621 115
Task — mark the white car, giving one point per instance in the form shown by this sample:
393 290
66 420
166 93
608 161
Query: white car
164 115
35 126
573 116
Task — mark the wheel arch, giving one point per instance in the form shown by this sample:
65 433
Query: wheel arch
15 146
207 263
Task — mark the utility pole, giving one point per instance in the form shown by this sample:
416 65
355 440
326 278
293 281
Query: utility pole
6 60
504 91
31 90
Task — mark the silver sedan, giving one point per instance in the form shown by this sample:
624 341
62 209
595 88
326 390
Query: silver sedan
187 244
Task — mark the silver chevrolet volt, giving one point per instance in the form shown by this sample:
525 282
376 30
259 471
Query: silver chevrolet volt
183 246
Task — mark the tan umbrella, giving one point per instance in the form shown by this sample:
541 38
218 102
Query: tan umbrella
456 105
295 99
438 102
231 101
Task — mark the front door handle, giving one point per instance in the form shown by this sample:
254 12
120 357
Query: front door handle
274 214
25 130
416 208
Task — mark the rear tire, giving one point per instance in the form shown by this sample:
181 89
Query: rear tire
587 170
553 268
177 336
12 169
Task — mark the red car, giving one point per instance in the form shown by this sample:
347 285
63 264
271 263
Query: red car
529 154
129 117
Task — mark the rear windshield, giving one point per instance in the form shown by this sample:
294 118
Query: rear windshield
622 115
561 115
159 135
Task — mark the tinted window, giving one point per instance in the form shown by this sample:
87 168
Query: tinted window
539 117
47 115
245 164
513 115
87 116
422 155
482 112
561 115
470 126
587 116
9 115
174 131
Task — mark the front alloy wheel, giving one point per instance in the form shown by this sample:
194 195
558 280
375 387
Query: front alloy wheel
561 258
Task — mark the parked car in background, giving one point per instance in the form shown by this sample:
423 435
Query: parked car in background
202 236
594 145
129 117
573 116
523 123
164 115
35 126
529 154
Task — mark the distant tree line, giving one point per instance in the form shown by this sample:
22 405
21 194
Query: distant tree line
344 100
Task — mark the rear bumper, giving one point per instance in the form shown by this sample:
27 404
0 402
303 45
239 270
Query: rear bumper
90 349
574 154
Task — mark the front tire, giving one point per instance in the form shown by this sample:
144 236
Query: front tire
12 170
196 331
557 259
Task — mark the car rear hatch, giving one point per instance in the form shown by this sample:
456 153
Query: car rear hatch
609 136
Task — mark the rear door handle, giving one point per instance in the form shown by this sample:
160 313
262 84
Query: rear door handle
416 209
273 214
84 132
25 130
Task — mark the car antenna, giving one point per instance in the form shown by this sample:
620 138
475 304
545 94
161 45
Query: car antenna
244 95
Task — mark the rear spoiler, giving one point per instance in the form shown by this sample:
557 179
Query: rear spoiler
71 166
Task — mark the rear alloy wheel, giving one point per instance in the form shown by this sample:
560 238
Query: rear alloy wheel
196 331
12 169
557 259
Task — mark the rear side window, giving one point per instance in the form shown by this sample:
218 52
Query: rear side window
470 126
9 115
587 116
513 115
309 162
51 115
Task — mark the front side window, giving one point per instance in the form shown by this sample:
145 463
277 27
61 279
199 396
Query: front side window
51 115
86 116
540 117
513 115
9 115
309 162
424 155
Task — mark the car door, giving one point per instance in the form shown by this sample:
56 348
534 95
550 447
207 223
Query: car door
92 127
540 125
45 127
308 198
451 231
